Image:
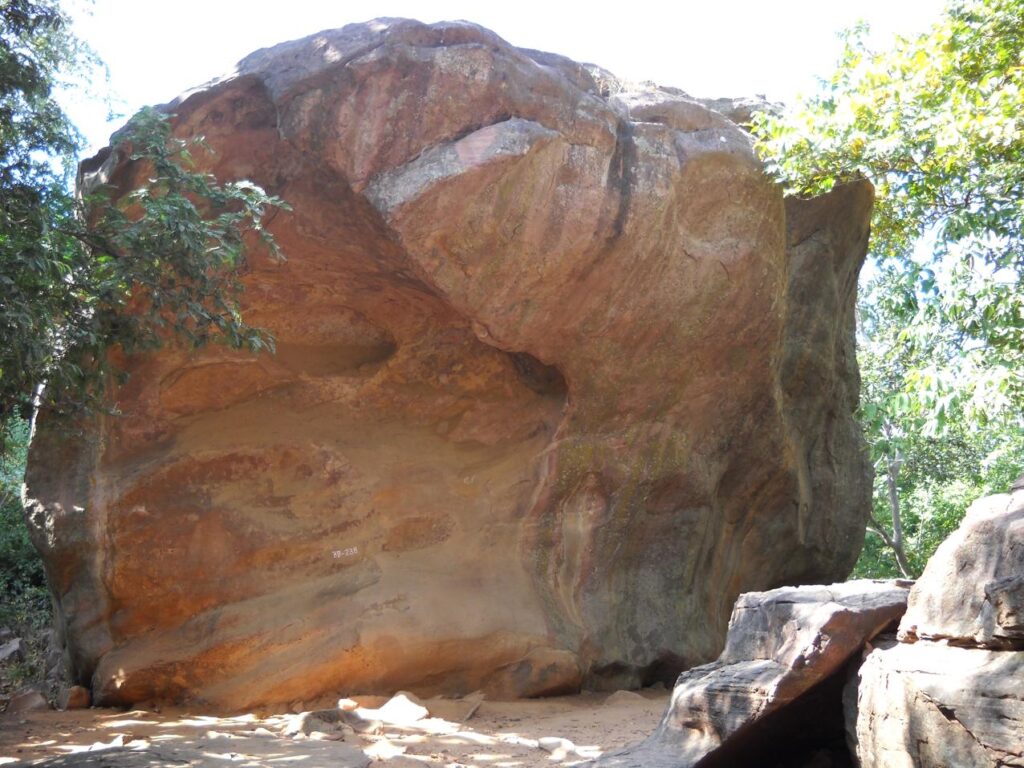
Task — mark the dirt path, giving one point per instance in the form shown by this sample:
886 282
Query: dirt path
517 734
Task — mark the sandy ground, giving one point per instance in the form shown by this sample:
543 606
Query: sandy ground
517 734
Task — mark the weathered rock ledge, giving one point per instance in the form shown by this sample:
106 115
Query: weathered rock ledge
559 375
774 695
951 692
815 677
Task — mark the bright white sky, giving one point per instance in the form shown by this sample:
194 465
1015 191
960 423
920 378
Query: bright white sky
156 50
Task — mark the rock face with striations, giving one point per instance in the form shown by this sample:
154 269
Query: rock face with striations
951 692
774 696
559 374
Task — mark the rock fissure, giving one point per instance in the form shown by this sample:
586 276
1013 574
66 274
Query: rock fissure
949 713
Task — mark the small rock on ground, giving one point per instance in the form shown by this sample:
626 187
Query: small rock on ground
26 700
623 697
75 697
554 744
12 650
402 709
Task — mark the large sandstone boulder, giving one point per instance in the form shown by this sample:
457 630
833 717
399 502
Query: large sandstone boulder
952 692
559 374
774 696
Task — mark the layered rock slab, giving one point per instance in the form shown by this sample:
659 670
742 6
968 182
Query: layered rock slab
951 692
785 659
559 374
930 705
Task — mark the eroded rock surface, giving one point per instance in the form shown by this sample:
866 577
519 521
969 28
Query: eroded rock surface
952 692
783 647
930 705
972 590
559 375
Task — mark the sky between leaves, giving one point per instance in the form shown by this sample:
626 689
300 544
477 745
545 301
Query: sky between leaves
156 50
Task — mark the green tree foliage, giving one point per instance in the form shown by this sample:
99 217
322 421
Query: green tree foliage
120 269
936 122
21 572
927 470
85 281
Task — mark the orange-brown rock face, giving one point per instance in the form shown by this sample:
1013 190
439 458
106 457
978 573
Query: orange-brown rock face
559 375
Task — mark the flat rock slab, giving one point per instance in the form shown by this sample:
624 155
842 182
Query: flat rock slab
781 644
542 337
929 705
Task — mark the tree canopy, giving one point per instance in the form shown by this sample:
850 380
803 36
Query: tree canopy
936 122
126 269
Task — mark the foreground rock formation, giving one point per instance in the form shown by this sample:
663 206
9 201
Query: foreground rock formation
559 375
774 695
951 692
816 677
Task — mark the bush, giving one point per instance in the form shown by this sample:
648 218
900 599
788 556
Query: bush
22 579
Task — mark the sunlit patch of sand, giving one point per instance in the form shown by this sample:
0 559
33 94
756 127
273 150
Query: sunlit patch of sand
517 734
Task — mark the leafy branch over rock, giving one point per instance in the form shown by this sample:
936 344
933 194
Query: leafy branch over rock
87 279
168 255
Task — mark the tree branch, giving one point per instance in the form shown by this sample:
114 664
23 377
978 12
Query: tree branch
901 561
